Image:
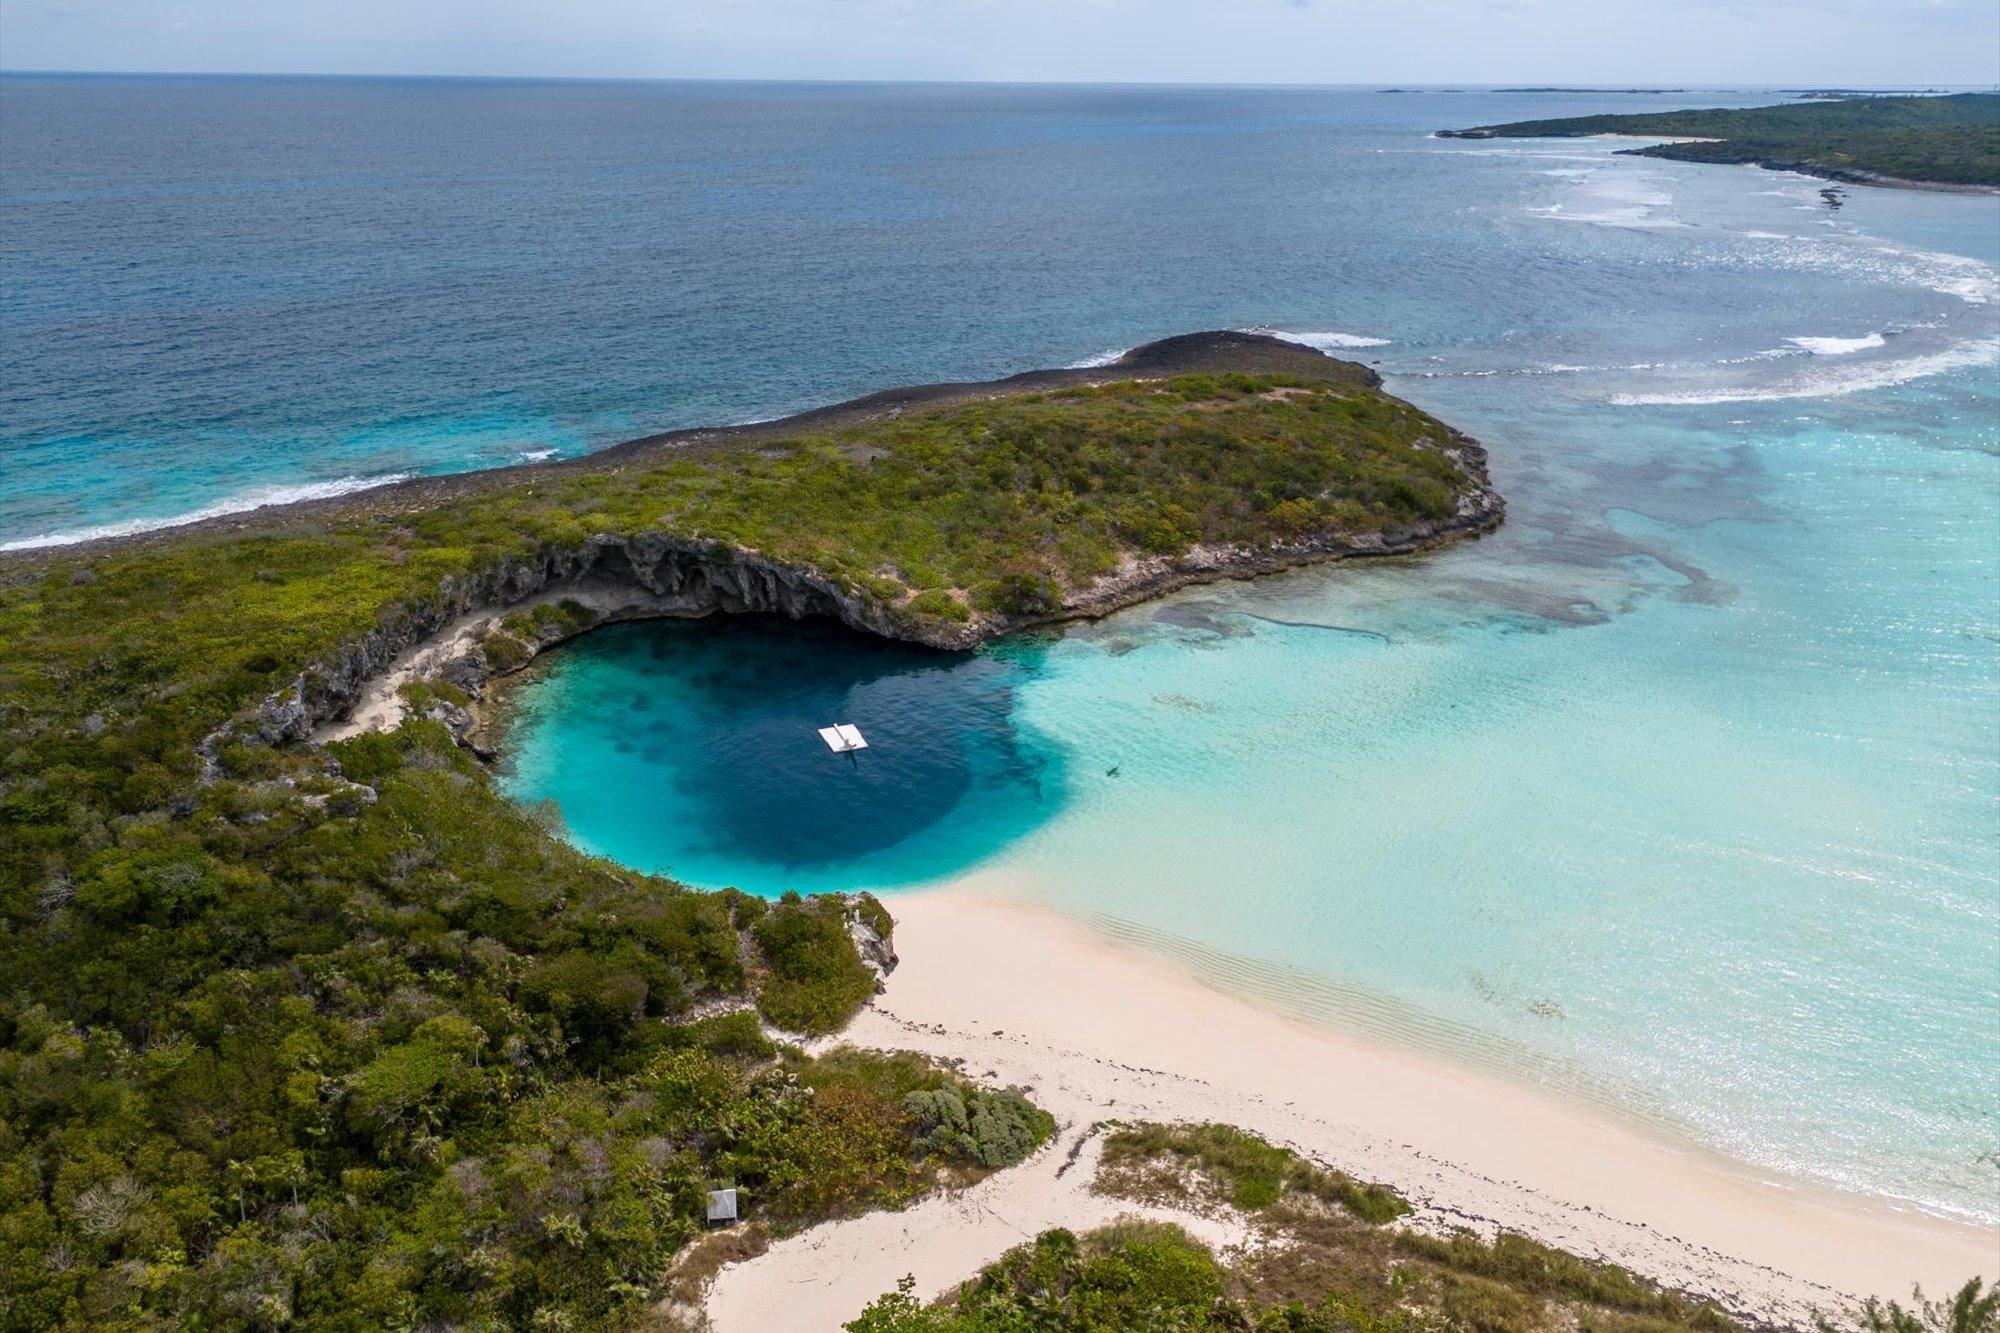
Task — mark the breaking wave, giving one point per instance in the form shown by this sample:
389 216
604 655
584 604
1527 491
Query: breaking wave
261 498
1831 384
1325 342
1837 346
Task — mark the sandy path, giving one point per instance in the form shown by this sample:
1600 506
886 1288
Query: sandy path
821 1277
1026 997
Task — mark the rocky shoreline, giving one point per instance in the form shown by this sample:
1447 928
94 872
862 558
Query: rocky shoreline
1798 166
614 579
1843 175
1220 351
467 633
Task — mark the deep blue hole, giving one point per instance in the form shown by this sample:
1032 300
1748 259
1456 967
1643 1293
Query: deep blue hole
714 727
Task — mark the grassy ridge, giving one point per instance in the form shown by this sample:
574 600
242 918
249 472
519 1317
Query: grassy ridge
338 1038
1951 140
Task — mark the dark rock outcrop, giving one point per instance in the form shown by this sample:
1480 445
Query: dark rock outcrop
659 574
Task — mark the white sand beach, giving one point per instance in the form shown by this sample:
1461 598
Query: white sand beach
1023 996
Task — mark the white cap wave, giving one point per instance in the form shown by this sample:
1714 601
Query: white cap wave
261 498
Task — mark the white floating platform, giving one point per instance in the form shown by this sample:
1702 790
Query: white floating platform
844 738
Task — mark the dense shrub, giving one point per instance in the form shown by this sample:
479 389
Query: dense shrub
341 1038
817 979
991 1128
941 605
1221 1163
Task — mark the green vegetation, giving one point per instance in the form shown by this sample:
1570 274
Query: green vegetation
374 1063
1152 1277
1971 1309
1326 1263
1945 140
1192 1164
816 978
1131 1277
339 1038
991 1128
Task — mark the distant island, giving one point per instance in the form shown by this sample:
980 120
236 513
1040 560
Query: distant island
1633 92
1948 143
1843 94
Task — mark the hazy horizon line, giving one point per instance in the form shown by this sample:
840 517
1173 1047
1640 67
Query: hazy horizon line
1381 85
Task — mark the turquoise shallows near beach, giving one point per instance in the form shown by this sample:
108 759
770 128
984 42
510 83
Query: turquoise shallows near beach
1680 792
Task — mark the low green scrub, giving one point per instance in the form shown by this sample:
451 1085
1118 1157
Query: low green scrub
1155 1278
816 978
1326 1260
1222 1164
339 1038
995 1129
1951 140
1127 1277
937 604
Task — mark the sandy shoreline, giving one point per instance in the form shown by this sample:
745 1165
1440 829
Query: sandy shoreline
1024 996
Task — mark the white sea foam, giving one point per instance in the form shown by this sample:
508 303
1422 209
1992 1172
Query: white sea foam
1092 362
1837 346
1617 198
1325 342
537 455
1637 218
1971 280
1824 384
260 498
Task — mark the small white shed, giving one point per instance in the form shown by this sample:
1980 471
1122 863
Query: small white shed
722 1205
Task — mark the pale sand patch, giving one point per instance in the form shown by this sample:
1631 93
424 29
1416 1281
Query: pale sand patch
1099 1031
823 1277
380 705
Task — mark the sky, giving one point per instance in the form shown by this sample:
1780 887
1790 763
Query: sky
1806 43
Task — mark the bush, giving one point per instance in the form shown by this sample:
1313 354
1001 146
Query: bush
1294 518
594 1001
504 652
869 910
1160 528
1221 1163
817 979
1020 595
940 605
992 1129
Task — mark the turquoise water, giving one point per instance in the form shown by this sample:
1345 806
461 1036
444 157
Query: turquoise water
1680 791
947 777
1690 812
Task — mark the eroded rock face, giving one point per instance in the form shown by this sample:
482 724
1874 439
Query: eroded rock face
878 953
660 575
678 576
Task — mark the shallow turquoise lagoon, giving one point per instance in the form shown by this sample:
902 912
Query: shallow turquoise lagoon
1687 811
1679 792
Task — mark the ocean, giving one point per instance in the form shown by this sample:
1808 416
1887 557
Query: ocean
1677 793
